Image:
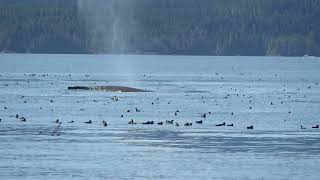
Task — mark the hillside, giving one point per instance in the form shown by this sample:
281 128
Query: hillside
191 27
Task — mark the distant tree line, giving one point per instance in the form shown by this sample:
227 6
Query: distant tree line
190 27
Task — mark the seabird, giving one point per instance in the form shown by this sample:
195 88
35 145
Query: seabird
131 122
89 122
148 123
23 119
301 127
250 127
104 123
188 124
71 122
222 124
315 127
115 98
199 122
230 125
169 122
160 123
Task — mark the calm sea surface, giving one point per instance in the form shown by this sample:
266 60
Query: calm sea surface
275 95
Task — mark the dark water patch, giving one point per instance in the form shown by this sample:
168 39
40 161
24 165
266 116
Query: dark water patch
197 91
215 142
300 101
19 80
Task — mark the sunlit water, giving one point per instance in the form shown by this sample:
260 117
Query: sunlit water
275 95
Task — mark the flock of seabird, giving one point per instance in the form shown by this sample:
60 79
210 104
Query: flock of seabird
168 122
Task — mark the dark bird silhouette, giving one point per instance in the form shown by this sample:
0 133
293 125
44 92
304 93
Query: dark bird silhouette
131 122
250 127
230 125
104 123
115 98
222 124
88 122
169 122
137 110
204 115
17 116
199 122
315 127
176 114
23 119
128 111
160 123
177 124
121 116
188 124
301 127
71 122
5 107
148 123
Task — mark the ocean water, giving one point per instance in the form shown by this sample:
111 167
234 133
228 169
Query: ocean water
276 95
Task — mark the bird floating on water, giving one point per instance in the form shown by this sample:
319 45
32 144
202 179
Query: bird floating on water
131 122
199 122
222 124
115 98
169 122
250 127
104 123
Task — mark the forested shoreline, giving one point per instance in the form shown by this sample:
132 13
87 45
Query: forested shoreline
181 27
